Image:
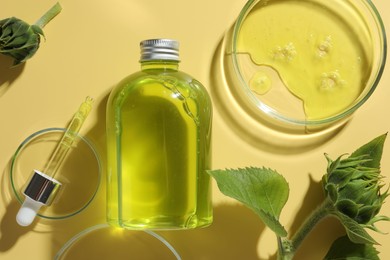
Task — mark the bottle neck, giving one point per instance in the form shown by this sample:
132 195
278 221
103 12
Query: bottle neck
160 64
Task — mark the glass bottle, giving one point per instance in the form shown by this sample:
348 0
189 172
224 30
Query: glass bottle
158 145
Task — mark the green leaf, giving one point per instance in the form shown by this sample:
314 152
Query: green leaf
263 190
343 249
271 222
355 232
374 149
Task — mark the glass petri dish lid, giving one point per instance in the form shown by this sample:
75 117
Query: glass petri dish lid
103 241
79 174
306 63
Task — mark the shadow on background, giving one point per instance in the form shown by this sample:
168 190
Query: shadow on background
79 190
248 125
8 74
10 231
80 167
234 234
318 242
95 213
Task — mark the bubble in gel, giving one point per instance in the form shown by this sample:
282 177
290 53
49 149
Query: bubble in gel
285 53
260 83
331 80
325 47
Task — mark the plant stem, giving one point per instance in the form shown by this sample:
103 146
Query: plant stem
50 14
289 247
284 249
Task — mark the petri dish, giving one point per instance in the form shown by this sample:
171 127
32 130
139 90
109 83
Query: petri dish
305 64
103 241
79 174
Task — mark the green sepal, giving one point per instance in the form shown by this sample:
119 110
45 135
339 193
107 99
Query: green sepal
348 207
366 213
355 231
340 176
37 29
331 190
332 165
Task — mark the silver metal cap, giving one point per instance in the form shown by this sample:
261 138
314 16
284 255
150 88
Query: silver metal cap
42 188
159 49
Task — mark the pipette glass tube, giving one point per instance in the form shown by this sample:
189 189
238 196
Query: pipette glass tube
42 186
68 138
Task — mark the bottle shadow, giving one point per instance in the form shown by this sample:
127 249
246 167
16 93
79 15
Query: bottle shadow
8 74
95 212
234 234
233 225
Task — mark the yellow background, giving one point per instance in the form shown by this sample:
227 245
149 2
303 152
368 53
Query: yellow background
93 44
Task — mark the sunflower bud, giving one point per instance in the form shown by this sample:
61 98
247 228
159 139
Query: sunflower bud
355 189
19 39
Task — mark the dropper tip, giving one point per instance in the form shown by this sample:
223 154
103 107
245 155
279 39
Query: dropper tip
89 100
28 212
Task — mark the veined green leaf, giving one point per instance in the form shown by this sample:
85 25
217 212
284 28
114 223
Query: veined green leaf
343 249
263 190
271 222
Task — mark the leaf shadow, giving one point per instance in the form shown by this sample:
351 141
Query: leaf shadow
319 240
8 74
233 224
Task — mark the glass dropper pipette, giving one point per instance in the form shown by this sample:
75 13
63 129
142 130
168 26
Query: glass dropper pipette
68 138
42 187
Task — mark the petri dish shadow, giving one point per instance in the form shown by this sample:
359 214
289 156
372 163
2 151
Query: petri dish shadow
79 174
247 124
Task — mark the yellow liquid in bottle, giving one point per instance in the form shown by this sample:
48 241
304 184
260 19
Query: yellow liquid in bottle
317 52
158 154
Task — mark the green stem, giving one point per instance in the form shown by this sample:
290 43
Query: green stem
318 214
289 247
284 249
56 9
